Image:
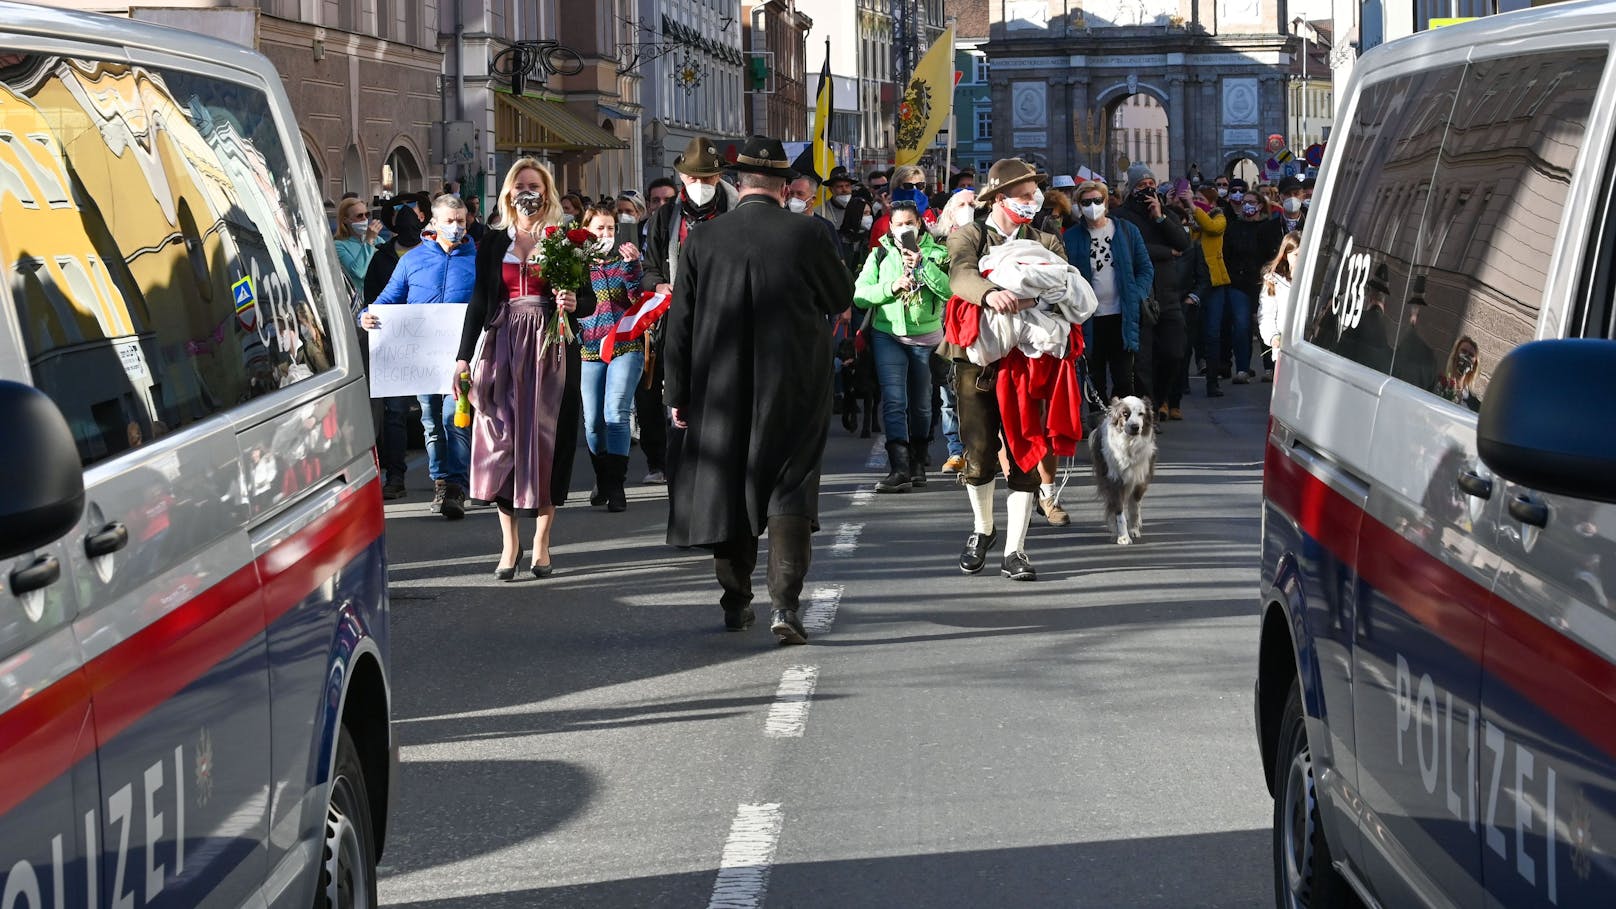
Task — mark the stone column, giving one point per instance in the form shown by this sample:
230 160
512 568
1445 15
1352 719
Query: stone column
1177 162
1003 119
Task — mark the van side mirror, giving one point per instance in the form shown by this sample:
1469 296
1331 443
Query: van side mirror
1549 418
45 497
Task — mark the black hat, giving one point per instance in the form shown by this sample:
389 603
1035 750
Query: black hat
1239 184
1290 184
804 165
762 155
1382 280
839 173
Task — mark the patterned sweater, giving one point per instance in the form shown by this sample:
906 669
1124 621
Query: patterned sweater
617 285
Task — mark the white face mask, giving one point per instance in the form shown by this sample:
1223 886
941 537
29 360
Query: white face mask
568 219
1236 195
604 245
1292 205
359 226
899 233
1223 192
1307 203
797 205
842 199
1094 212
963 216
701 193
451 232
865 222
628 221
1028 209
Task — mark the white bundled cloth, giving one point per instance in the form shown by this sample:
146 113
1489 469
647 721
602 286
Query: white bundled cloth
1030 271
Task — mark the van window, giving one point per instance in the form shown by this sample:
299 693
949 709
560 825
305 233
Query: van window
1377 216
1505 175
154 250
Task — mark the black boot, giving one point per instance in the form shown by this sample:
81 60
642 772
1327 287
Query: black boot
898 479
790 553
616 475
597 496
733 563
917 464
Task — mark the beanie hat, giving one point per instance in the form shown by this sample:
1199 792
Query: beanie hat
1139 172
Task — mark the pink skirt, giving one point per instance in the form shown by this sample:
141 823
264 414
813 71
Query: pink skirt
516 388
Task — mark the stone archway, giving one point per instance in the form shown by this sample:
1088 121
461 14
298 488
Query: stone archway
1058 78
1139 132
405 170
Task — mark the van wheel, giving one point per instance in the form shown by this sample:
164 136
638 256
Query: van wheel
348 858
1304 877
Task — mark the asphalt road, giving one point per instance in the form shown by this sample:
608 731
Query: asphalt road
596 739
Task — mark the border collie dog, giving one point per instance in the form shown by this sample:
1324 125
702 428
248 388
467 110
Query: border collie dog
1123 447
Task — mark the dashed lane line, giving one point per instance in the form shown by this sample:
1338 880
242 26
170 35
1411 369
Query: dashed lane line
847 537
822 606
743 871
788 717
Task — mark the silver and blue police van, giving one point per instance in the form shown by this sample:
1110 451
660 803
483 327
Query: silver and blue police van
1436 697
193 610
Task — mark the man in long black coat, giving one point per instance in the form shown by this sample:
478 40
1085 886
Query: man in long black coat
748 359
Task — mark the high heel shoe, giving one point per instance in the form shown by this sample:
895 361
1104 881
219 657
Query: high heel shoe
508 574
542 571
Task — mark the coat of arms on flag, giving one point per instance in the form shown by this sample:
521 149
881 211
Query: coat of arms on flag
651 307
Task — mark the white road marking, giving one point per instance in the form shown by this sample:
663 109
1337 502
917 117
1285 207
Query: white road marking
878 454
821 611
789 715
847 537
863 496
743 872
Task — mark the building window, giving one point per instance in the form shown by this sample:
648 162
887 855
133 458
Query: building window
981 69
984 125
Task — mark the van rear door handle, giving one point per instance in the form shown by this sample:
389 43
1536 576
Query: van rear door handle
45 571
107 540
1474 484
1523 509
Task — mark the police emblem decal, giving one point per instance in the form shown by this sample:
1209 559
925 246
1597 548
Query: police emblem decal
204 767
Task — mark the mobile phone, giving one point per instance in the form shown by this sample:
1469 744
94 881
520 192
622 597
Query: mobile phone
910 240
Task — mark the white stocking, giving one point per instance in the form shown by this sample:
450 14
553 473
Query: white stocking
1015 525
981 507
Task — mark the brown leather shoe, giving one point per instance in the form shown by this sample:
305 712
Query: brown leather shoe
1057 515
1177 413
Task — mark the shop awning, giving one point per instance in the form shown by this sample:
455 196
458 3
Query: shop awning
533 124
616 114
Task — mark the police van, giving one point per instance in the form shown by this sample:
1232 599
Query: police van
193 610
1436 698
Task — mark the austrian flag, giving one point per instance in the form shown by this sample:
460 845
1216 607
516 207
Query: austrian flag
634 323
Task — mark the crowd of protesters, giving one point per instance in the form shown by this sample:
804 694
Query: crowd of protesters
1174 277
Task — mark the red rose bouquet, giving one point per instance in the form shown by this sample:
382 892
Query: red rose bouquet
566 257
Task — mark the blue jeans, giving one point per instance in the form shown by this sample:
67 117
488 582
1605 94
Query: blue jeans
1239 307
608 390
905 374
956 448
445 459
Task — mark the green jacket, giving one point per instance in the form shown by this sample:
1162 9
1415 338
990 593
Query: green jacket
921 313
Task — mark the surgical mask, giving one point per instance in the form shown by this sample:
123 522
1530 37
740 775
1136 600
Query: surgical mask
1292 206
604 245
451 232
842 199
1223 192
1307 203
899 233
701 193
1236 195
359 226
1094 212
628 222
865 222
528 202
963 216
797 205
1249 209
568 218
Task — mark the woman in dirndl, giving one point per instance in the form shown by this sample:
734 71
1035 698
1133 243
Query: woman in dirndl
518 365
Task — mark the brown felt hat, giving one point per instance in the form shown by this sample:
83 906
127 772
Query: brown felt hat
1005 173
700 159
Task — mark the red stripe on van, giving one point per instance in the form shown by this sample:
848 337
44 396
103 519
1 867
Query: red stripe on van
40 737
1561 677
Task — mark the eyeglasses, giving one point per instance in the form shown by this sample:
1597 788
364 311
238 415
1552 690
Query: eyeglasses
919 185
878 186
1091 200
361 214
1221 185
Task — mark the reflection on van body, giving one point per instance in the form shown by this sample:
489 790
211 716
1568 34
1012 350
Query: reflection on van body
149 311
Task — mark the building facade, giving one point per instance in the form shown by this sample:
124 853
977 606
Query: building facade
1139 134
778 94
972 129
1311 95
607 94
692 67
1062 68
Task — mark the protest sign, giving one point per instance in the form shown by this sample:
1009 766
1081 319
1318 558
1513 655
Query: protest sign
414 350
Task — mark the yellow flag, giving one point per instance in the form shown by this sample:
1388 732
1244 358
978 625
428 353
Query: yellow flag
926 102
824 155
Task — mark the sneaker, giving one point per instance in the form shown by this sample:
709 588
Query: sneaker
1016 567
975 554
440 490
788 628
655 478
1176 413
454 502
393 489
1242 378
1057 515
954 464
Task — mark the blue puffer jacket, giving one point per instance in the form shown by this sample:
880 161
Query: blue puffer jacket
1131 265
427 274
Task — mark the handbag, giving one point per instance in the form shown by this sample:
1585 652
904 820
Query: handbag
1149 310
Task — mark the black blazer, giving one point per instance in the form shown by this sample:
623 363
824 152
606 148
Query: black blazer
489 292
